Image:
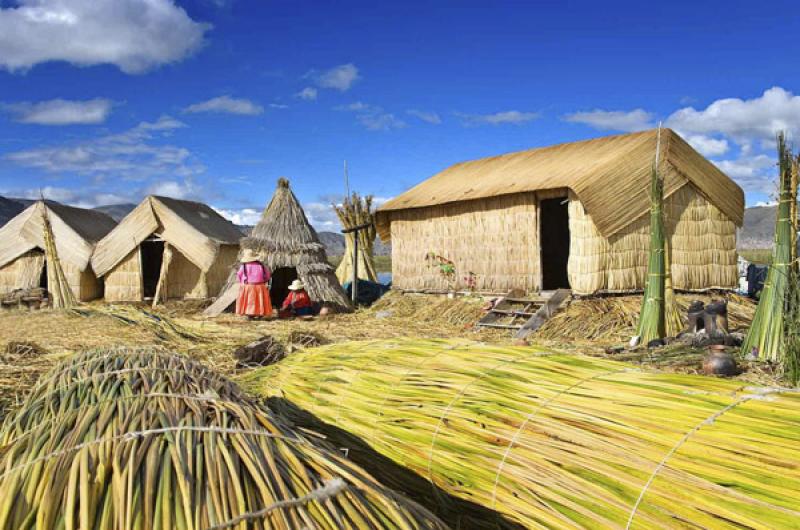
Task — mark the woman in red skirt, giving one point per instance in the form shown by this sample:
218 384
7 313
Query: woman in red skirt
253 300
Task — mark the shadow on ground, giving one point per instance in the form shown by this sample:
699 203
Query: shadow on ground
456 512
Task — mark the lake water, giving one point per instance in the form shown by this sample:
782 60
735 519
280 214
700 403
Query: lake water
385 277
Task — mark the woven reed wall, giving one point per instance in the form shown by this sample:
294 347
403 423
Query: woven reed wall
184 278
23 272
496 238
91 287
702 245
124 281
217 275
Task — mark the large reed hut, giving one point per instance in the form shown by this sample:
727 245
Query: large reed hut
292 250
75 230
572 215
174 248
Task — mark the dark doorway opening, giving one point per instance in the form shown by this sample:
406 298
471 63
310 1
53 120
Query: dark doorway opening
152 256
554 243
43 276
281 279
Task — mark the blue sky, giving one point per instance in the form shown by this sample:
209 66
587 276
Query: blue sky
104 101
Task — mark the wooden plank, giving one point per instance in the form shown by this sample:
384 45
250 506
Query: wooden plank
544 313
491 316
514 312
502 326
223 302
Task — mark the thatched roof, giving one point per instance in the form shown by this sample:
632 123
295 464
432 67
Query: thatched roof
76 231
195 229
610 175
286 239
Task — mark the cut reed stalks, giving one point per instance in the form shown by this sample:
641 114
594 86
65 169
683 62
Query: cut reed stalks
144 440
554 441
357 211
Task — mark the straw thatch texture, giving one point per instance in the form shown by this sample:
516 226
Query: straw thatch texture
75 233
357 211
605 173
193 228
701 238
496 238
285 238
203 244
557 441
128 440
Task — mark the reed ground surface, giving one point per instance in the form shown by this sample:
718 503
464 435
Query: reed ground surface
588 326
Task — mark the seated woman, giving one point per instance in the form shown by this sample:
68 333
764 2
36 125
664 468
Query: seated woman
253 300
297 302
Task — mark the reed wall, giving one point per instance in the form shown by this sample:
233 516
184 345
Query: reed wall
123 283
701 239
495 238
25 272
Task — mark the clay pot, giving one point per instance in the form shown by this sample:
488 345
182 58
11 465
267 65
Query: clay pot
719 361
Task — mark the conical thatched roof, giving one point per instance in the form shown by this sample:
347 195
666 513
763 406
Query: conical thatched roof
286 239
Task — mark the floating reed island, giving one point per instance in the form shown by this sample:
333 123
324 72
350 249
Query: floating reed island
554 441
147 440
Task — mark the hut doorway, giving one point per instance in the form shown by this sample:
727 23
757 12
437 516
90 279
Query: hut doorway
152 255
43 276
554 242
281 279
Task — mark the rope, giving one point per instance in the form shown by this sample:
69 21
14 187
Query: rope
760 394
535 412
329 489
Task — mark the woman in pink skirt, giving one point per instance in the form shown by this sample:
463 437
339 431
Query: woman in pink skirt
253 300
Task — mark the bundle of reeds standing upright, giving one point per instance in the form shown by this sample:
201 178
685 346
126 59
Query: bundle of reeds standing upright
145 440
792 324
767 333
549 441
61 295
659 315
357 211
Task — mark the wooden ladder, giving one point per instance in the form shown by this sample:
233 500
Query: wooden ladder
523 314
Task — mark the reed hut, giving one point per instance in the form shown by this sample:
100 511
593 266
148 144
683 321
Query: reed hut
76 231
292 250
167 248
572 216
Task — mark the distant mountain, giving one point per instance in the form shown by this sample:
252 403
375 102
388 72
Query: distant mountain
116 211
758 231
9 208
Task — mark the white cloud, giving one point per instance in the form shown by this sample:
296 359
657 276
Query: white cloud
613 120
706 145
322 216
61 111
228 105
339 77
278 106
135 36
244 216
756 173
137 153
309 93
429 117
744 120
172 188
498 118
373 117
82 198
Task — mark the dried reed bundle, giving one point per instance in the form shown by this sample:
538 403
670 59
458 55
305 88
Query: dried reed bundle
145 440
61 295
551 440
766 335
357 211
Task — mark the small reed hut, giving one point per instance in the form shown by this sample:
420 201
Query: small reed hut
75 230
573 215
292 250
167 249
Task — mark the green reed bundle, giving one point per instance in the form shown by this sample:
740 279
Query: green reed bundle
357 211
61 294
767 333
132 440
543 440
653 316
